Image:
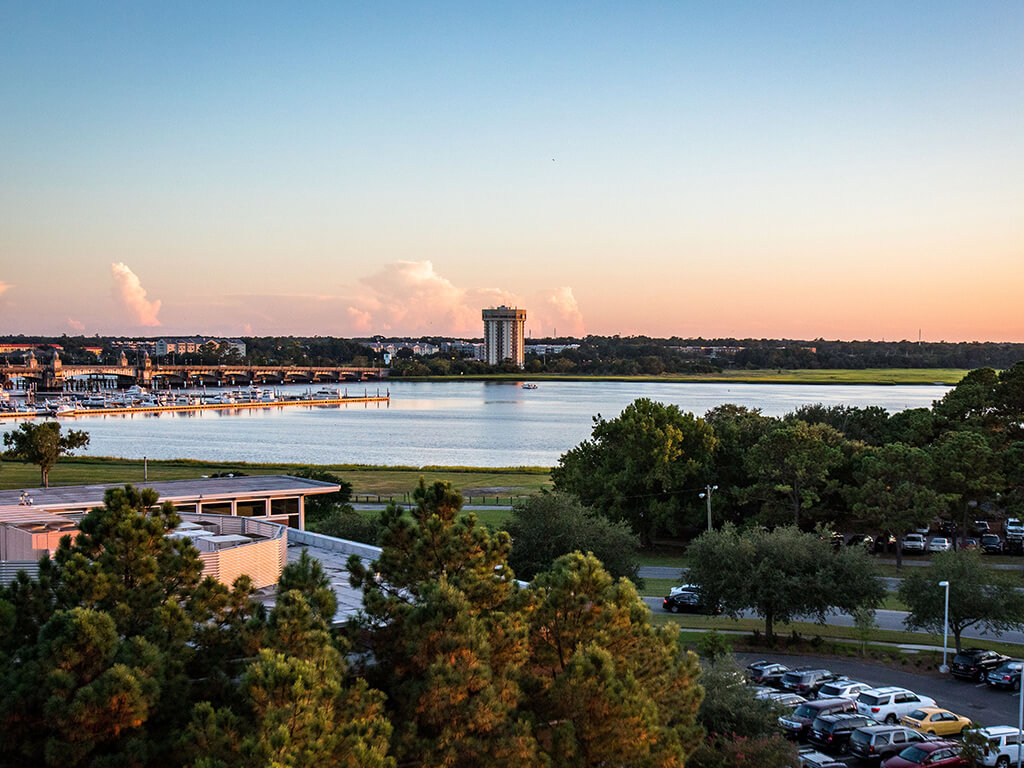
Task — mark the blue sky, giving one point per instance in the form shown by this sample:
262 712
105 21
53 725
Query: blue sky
847 170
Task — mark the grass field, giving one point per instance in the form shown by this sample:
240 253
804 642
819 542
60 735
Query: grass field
383 481
948 376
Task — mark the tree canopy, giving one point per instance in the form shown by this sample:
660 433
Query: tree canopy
545 526
43 444
781 574
642 467
978 596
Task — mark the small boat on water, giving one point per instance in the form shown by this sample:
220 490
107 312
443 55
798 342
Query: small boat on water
528 385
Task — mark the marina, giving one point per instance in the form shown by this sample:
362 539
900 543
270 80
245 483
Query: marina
137 400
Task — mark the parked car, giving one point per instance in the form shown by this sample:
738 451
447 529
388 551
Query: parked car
832 731
940 544
811 758
981 527
884 542
796 724
934 754
913 542
936 721
875 743
784 699
806 682
970 543
1006 675
1003 746
890 703
991 544
686 602
842 689
766 673
861 539
975 663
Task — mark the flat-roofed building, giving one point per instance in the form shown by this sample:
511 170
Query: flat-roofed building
504 335
238 524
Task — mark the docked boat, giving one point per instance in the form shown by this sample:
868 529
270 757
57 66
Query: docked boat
326 393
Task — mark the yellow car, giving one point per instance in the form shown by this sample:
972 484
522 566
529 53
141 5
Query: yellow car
935 720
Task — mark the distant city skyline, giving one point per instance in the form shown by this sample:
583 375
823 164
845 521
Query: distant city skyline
791 170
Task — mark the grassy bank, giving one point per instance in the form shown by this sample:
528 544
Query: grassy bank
382 481
948 376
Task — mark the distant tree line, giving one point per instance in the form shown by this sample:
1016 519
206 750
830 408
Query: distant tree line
591 355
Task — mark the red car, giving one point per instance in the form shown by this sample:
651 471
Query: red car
928 753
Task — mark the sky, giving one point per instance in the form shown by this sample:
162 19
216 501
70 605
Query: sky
820 169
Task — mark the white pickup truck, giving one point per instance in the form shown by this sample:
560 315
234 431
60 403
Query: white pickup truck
1014 528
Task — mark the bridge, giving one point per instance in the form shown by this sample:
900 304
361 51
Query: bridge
56 376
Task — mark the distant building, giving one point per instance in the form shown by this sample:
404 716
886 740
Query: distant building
194 344
418 348
549 349
504 336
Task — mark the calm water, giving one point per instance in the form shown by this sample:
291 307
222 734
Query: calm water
451 423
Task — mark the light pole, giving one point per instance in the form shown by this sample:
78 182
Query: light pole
945 630
708 490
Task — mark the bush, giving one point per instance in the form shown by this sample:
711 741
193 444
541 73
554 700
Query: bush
741 752
345 523
546 526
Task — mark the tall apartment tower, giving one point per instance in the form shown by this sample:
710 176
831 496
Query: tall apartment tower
504 338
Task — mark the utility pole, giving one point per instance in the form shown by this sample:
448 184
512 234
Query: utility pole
706 494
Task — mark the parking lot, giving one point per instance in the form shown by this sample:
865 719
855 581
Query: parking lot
984 705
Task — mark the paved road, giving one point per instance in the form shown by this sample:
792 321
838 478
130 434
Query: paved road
893 620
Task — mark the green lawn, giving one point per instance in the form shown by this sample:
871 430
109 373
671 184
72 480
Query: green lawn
383 481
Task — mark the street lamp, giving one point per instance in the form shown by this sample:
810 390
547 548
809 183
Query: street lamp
945 630
708 490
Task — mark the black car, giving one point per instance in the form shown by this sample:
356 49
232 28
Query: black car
686 601
832 732
806 682
991 543
766 673
875 743
975 663
795 724
1005 675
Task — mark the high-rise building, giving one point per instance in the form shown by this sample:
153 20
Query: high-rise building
504 336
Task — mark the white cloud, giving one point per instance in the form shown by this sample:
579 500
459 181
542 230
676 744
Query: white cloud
409 297
75 325
557 310
129 291
3 287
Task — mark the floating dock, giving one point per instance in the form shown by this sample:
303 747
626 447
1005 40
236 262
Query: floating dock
176 407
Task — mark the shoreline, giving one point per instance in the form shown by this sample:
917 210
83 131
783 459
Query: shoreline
945 377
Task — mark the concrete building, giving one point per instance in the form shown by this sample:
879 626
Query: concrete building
238 524
504 335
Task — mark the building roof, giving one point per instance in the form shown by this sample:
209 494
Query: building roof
210 489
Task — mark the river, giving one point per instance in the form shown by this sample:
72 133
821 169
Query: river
461 423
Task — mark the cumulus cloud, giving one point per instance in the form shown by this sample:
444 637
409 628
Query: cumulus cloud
75 325
129 291
557 310
410 297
